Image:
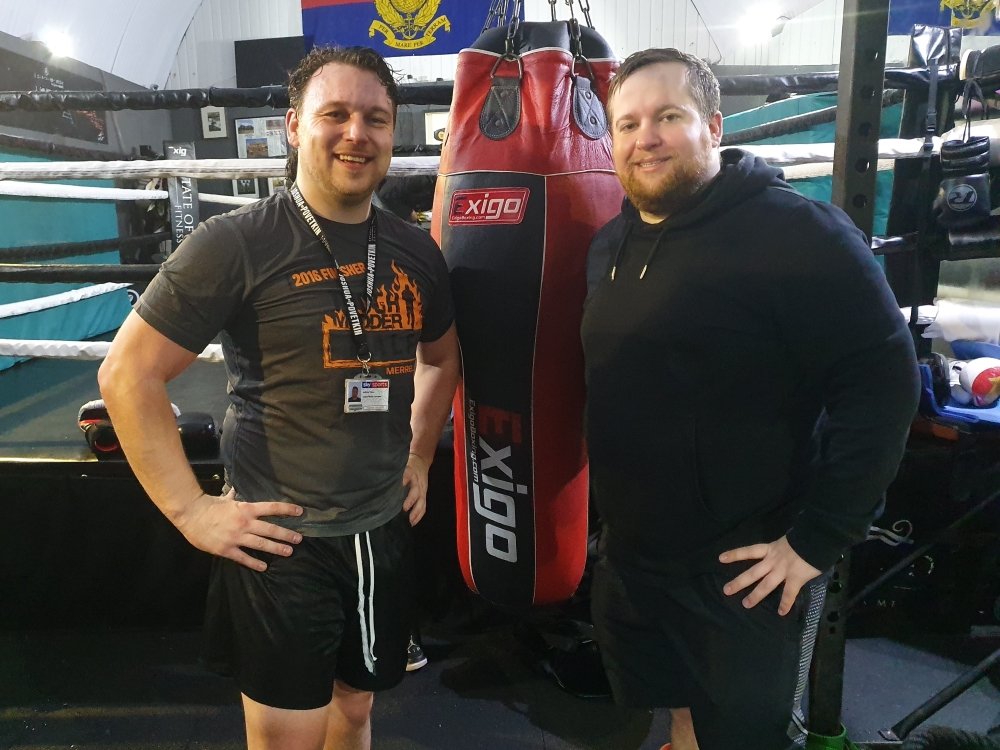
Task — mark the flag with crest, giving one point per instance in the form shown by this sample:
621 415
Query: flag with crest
395 27
974 17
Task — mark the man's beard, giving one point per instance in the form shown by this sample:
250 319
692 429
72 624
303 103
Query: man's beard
673 192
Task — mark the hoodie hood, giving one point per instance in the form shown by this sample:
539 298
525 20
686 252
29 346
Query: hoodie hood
742 176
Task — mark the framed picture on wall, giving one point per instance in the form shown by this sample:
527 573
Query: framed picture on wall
261 138
213 122
435 126
246 187
274 184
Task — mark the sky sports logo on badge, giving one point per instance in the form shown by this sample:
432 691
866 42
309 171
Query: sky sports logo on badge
496 206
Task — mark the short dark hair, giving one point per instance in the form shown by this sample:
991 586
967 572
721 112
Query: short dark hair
362 58
701 81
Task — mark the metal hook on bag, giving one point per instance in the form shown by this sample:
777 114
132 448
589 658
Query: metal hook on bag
509 57
576 41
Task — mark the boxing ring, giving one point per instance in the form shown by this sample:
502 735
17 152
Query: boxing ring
47 464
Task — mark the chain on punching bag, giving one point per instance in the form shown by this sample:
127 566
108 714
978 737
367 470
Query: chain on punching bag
526 179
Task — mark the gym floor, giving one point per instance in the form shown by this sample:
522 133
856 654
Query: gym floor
483 689
99 637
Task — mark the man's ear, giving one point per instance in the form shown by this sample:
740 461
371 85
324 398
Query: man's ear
292 127
715 128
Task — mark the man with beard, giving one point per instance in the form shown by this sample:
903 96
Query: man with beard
774 384
316 296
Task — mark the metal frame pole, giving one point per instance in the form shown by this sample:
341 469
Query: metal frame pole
855 166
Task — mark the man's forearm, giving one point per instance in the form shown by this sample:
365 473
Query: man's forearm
147 430
434 390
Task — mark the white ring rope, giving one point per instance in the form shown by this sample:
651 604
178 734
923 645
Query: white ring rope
777 155
801 161
14 309
200 168
80 192
48 349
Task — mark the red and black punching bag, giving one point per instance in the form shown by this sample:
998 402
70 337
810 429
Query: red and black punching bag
526 179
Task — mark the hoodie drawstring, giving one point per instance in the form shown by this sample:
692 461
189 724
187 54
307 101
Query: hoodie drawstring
621 250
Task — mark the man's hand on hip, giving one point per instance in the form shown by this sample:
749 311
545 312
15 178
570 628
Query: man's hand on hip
223 526
778 564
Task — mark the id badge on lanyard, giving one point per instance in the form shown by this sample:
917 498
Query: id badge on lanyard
366 391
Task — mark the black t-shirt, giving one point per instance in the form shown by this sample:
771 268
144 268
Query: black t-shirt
260 279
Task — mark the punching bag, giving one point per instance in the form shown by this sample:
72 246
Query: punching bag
526 179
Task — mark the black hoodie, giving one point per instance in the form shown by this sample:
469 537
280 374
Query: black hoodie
757 380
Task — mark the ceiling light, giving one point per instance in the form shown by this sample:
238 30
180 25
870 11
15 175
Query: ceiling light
757 24
60 43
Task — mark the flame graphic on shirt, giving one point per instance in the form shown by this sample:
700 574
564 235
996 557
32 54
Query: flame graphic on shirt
398 308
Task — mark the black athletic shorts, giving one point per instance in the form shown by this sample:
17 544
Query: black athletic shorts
679 642
287 633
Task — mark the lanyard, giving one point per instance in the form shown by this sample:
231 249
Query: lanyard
357 331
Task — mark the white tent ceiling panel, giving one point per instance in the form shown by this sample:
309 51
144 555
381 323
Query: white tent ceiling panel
134 39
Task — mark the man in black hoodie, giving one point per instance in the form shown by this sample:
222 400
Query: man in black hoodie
773 384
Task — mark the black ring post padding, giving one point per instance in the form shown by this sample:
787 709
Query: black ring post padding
267 96
97 274
42 101
37 147
73 249
438 92
435 92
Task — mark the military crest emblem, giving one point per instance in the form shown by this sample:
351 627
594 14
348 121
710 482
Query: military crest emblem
413 21
971 14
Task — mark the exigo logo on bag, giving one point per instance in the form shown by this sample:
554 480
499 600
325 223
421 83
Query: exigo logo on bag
496 206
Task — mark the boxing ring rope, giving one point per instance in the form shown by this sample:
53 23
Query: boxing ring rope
15 175
13 309
19 178
422 93
82 350
207 169
79 249
76 192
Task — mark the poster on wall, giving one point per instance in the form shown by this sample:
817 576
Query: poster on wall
261 137
435 126
19 73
